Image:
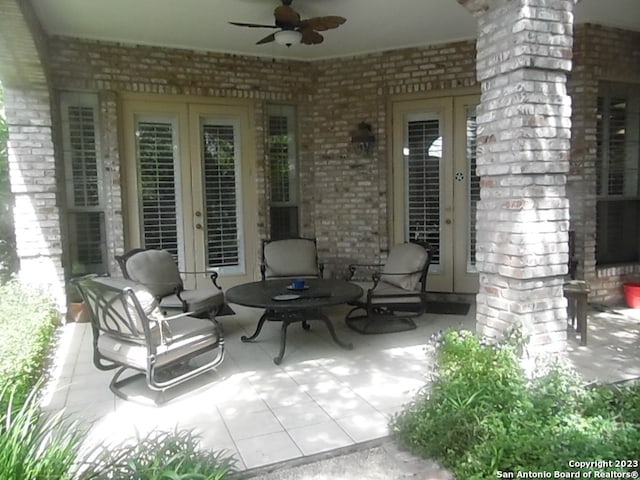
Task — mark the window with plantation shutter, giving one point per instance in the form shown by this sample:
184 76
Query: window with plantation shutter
424 144
617 184
221 194
283 170
83 183
474 184
157 183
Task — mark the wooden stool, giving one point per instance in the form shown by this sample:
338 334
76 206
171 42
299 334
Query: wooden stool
577 292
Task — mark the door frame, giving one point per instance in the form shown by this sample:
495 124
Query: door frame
453 277
186 109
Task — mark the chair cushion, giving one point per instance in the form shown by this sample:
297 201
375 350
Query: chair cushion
294 257
405 258
200 300
385 293
182 338
157 270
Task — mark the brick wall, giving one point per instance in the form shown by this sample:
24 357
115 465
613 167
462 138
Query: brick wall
344 195
600 54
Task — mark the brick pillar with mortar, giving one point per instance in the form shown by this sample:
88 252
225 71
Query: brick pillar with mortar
32 163
524 50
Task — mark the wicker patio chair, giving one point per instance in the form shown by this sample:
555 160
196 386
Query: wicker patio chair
131 333
395 293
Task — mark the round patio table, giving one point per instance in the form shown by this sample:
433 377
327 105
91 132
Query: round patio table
284 304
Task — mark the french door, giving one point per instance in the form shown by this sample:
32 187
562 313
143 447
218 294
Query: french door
435 188
190 186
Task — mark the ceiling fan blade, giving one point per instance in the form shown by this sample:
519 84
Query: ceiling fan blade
286 17
323 23
252 25
268 39
310 37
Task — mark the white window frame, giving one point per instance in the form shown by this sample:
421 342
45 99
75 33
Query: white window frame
85 100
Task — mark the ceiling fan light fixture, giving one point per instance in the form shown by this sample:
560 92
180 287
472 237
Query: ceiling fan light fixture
287 37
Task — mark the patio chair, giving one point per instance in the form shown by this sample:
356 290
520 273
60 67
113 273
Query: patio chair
130 332
159 273
290 258
396 292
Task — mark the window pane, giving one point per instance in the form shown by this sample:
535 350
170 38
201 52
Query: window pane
279 159
156 167
617 232
283 170
82 152
284 222
83 183
220 190
423 183
87 234
617 162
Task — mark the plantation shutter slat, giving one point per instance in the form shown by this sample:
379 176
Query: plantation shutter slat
157 178
474 185
423 183
221 195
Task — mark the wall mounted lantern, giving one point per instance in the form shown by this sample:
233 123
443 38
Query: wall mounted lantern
363 140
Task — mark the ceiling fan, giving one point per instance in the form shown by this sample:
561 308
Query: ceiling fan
292 29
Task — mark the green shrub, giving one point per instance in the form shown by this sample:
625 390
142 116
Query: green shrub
27 326
161 456
32 445
482 414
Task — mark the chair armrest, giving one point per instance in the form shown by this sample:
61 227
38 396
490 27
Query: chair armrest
170 318
353 267
376 276
212 275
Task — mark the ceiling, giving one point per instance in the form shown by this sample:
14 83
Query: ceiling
371 26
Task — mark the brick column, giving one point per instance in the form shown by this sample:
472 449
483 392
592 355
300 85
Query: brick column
32 163
524 52
33 184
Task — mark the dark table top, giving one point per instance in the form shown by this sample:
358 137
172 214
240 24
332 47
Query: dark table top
320 293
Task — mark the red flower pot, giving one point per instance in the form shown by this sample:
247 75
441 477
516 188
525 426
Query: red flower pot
632 294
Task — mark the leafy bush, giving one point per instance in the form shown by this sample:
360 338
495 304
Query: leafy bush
39 447
482 414
33 446
161 456
27 325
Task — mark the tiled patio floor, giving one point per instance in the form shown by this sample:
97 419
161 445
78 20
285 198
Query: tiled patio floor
320 398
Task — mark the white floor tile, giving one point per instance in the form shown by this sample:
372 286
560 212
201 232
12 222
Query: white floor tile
320 437
247 425
301 415
267 449
366 426
321 397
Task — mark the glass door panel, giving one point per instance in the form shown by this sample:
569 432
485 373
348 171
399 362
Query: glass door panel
189 187
435 189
